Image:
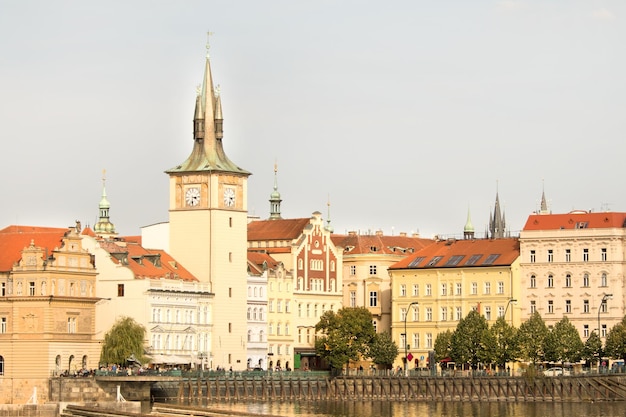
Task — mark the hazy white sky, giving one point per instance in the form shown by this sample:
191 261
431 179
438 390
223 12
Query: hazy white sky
404 113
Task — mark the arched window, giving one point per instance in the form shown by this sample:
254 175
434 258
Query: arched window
1 365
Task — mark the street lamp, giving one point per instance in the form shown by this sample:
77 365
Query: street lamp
604 298
406 337
511 301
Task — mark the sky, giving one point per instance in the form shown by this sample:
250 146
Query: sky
403 115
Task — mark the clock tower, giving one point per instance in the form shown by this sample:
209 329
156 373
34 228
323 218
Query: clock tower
208 227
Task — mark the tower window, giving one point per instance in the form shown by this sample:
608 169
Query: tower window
120 290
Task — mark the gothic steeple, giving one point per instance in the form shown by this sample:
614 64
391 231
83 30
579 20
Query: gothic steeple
544 203
208 153
104 227
275 198
497 224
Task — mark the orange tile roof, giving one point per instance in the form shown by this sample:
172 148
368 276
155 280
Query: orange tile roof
256 260
283 229
463 254
354 244
574 220
13 239
140 263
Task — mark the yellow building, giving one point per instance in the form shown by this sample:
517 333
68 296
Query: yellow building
47 309
436 287
208 210
366 281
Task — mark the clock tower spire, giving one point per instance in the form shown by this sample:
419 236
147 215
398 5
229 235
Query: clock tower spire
208 211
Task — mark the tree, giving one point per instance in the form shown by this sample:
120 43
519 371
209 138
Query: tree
593 348
383 350
563 343
347 335
505 346
124 340
531 337
466 345
443 344
616 341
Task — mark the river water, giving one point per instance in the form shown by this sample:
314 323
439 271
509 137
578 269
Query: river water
430 409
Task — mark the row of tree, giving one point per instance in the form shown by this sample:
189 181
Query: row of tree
474 342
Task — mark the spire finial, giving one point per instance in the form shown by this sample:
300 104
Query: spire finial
208 43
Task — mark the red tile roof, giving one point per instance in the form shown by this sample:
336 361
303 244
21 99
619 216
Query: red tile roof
256 260
13 239
463 254
575 220
283 229
143 262
354 244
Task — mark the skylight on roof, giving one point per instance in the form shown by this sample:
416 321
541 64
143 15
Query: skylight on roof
473 259
454 260
491 259
416 261
434 261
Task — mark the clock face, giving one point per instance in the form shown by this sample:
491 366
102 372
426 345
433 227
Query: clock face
192 197
229 197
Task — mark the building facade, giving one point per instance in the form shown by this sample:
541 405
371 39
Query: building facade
436 287
572 265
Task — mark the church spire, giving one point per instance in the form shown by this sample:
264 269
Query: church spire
497 224
208 153
329 227
275 198
468 230
544 202
104 227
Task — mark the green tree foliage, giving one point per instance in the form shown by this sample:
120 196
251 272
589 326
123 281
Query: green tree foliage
383 350
531 337
443 345
467 342
616 341
563 343
348 335
125 338
593 348
505 342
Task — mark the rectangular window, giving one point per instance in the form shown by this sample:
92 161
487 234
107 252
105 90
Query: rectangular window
373 299
402 290
352 298
501 311
31 288
585 280
416 340
459 288
487 312
603 332
459 313
372 269
444 314
71 324
429 314
568 255
120 290
603 255
550 281
270 306
230 327
586 330
585 255
474 288
487 287
586 306
416 290
550 255
568 306
603 308
550 306
352 269
403 314
500 287
533 307
3 289
533 256
533 281
429 290
416 313
3 325
444 289
429 340
568 281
